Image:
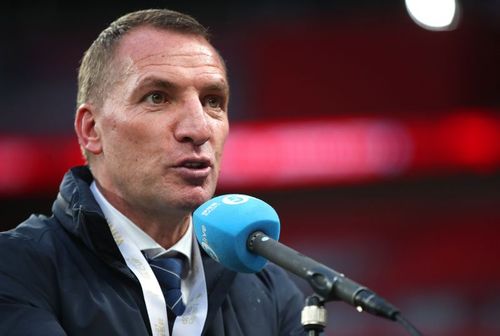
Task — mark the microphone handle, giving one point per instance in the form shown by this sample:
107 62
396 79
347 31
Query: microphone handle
326 282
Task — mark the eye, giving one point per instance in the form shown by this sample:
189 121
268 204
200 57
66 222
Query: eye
156 98
214 102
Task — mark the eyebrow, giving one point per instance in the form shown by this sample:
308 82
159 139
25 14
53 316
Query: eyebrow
156 82
218 87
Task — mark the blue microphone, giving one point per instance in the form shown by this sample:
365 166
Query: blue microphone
223 224
241 233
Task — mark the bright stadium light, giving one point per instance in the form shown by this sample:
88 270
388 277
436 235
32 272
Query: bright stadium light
434 14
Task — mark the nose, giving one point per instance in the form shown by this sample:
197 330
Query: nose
193 124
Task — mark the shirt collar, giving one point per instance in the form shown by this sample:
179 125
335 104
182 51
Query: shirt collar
139 238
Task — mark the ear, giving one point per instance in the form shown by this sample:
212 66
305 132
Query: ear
87 129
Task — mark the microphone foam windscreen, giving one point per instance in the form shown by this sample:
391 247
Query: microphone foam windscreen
223 224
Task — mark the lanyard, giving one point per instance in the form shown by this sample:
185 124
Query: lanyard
193 319
151 290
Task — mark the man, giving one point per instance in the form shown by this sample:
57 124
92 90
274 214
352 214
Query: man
152 121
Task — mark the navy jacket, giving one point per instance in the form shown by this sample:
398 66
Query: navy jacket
64 275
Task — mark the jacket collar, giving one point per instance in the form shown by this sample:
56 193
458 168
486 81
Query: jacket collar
80 215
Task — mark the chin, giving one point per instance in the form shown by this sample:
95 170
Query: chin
195 198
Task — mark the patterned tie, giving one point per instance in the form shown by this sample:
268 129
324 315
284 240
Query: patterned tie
168 272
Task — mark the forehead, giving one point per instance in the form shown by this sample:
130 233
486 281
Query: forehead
147 48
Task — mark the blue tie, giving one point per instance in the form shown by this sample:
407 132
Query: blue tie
168 272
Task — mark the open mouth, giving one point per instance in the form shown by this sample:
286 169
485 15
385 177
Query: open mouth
195 164
194 169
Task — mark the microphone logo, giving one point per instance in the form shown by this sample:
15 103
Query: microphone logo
235 199
206 246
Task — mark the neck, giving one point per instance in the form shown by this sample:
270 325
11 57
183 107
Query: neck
166 228
165 233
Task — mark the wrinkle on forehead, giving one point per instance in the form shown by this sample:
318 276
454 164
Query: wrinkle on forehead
183 60
131 68
184 54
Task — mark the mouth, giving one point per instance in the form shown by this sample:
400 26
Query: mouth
194 168
194 163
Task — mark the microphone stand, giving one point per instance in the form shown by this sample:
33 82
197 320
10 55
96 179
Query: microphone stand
328 284
314 315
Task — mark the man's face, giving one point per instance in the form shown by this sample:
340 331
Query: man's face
164 122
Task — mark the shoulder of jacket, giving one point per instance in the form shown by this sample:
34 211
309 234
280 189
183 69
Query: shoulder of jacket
37 233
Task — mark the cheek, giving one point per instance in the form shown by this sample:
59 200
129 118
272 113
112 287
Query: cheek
221 132
219 149
128 140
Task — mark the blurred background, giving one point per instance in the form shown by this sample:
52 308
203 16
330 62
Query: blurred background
375 137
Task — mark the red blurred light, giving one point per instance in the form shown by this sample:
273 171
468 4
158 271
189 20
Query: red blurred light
296 153
284 154
472 140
